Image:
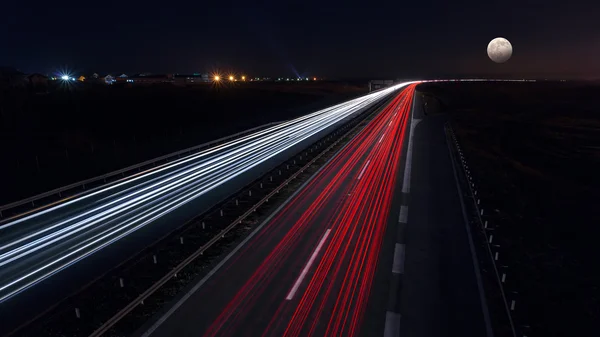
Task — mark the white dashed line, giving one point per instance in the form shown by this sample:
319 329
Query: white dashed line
364 168
392 324
398 266
403 214
408 165
307 267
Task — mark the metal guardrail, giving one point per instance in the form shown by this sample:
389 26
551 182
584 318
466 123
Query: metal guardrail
81 184
170 275
483 224
229 227
121 172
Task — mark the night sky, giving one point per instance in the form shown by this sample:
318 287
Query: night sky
336 39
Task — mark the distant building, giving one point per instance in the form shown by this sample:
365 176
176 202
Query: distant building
37 80
122 78
379 84
93 79
109 79
150 79
192 79
11 77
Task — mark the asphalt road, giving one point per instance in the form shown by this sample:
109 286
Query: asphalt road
310 270
93 232
439 294
302 274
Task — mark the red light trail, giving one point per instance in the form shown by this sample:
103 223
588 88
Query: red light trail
320 272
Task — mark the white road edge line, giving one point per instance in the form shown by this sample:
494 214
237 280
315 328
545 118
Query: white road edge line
307 267
403 218
398 266
182 300
364 168
408 165
392 324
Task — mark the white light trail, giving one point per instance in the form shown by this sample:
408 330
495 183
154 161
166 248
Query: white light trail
41 244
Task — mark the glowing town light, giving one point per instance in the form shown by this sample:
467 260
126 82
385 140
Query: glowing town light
65 77
243 78
231 78
217 78
314 78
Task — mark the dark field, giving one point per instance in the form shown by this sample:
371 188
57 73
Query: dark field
67 135
534 152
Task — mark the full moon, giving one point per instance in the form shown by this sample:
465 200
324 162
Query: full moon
499 50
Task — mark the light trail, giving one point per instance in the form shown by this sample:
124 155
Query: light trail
40 244
307 267
359 237
258 281
332 299
366 165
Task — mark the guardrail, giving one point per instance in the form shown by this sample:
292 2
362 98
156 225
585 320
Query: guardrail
171 274
483 227
130 169
231 225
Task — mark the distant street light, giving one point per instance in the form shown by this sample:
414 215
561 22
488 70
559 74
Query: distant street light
217 78
243 78
231 78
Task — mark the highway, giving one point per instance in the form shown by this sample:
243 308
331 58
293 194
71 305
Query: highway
44 242
310 270
440 294
374 245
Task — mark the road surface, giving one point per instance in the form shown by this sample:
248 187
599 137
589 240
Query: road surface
439 295
310 269
374 245
95 230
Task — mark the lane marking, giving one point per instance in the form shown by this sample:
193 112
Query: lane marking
364 168
185 297
380 139
403 214
392 324
307 267
192 291
408 165
398 266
